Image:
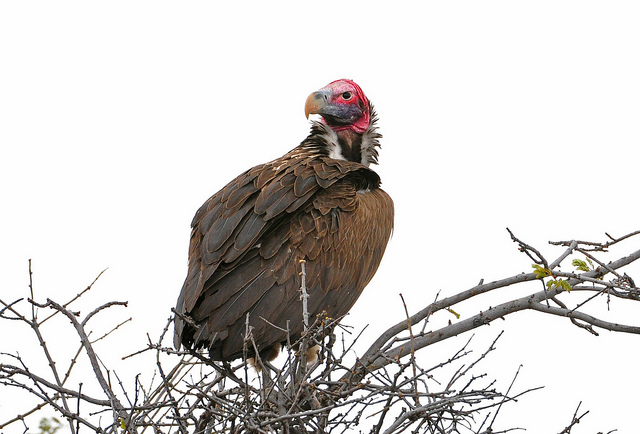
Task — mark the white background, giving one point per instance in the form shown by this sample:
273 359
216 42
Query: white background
118 119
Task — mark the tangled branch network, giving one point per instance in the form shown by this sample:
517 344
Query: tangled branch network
319 383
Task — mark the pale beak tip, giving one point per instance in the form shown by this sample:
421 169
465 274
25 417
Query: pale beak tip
315 102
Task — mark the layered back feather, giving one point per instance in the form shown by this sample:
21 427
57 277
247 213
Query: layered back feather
248 239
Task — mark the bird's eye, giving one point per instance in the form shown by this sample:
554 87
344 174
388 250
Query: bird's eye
346 96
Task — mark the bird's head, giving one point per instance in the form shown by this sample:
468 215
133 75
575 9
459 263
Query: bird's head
342 105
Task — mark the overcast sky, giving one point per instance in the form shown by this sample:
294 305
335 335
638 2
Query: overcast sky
118 119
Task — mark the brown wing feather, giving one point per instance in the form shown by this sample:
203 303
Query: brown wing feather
331 288
247 240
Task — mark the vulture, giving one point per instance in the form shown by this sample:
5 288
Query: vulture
320 203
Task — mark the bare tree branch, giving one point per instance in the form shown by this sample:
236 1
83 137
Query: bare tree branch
387 387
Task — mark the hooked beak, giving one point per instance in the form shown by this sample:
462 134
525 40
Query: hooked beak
316 102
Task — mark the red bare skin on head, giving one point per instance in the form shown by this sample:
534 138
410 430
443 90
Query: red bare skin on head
347 92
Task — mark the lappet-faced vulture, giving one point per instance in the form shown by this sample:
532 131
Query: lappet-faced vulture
320 203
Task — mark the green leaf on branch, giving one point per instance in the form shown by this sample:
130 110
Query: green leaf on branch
559 283
580 265
540 272
49 425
